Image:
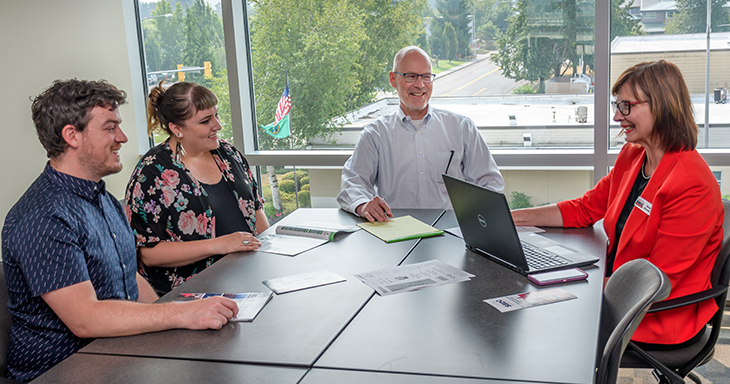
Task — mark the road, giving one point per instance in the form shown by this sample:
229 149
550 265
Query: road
482 78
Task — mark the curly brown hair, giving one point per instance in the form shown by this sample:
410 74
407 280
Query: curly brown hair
69 102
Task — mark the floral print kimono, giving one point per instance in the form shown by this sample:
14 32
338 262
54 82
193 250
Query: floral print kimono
164 202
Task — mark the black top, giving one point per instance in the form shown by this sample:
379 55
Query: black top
228 218
636 190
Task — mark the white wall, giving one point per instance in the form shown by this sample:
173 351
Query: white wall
41 41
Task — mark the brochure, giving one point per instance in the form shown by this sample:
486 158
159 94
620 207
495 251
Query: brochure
249 304
291 240
400 228
303 281
316 229
530 299
410 277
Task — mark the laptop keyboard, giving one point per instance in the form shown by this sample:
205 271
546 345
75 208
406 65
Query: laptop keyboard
538 258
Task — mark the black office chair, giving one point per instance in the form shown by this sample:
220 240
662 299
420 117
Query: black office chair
627 296
672 366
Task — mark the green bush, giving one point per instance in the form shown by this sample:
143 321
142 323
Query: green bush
305 187
286 186
519 200
304 199
286 197
304 181
526 89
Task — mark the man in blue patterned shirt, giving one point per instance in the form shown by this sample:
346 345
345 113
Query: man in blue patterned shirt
68 252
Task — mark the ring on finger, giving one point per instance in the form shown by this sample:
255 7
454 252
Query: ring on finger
246 242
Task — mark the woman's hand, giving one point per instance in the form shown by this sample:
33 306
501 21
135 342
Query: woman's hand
236 242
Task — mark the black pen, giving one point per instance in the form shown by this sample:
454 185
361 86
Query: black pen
449 164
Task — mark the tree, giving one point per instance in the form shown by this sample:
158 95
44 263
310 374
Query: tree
455 12
152 50
318 43
171 33
389 26
622 22
204 36
451 45
542 39
691 17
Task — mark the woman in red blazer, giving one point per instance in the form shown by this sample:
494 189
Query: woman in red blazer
660 201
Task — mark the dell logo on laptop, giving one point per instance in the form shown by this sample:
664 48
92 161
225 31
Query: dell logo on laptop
482 221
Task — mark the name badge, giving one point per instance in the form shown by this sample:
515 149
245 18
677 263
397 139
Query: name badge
643 205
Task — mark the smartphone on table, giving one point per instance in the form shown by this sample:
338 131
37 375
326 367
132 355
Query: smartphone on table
557 277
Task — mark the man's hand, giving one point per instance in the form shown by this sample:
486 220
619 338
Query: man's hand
209 313
374 210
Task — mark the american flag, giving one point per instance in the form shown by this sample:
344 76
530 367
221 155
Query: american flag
284 104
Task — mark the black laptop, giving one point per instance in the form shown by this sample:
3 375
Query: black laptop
486 224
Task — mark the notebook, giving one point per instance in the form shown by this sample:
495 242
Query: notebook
486 224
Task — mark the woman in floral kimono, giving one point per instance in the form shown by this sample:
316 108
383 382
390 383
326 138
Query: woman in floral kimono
191 199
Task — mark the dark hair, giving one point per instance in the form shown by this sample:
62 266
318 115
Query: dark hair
176 104
671 107
69 102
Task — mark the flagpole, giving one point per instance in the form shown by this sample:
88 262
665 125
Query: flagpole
291 134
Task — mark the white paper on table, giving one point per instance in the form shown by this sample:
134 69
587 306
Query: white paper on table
529 299
302 281
287 244
410 277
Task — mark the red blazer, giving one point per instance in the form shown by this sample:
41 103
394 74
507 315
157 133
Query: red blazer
681 234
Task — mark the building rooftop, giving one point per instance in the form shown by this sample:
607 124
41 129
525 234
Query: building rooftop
670 43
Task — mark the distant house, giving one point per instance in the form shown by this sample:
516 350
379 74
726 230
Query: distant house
655 13
687 51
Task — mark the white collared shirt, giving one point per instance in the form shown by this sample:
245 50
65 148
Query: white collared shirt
403 165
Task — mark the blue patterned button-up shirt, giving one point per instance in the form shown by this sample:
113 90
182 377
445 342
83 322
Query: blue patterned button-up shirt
63 231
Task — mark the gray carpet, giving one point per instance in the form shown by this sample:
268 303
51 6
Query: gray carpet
716 371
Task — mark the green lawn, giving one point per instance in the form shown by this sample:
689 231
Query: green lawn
445 65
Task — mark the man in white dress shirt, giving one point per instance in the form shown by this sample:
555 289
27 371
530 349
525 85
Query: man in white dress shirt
399 158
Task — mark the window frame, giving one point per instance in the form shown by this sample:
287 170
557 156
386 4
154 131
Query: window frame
240 78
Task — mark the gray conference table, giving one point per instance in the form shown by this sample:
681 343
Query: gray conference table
450 331
345 329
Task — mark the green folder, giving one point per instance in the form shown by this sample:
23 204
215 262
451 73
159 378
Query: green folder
400 228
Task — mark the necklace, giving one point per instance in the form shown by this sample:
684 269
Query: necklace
642 171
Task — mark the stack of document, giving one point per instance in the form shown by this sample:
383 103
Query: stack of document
411 277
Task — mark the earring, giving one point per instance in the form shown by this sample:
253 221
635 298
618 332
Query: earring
179 134
180 152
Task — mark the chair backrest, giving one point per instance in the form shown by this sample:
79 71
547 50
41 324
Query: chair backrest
719 279
626 298
721 271
6 320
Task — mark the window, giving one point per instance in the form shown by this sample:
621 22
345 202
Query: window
183 41
332 61
534 75
683 41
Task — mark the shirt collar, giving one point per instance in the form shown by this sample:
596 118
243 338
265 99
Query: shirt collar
87 189
403 117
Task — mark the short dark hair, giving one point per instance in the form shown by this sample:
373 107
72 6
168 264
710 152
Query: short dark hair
69 102
176 104
671 106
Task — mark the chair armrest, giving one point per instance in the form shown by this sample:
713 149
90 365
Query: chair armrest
688 299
